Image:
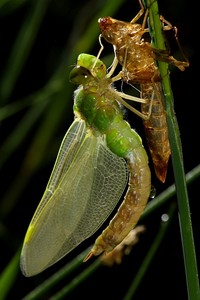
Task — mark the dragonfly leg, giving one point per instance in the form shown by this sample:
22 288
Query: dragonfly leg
139 14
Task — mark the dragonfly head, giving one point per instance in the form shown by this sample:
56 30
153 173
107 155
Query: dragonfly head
87 66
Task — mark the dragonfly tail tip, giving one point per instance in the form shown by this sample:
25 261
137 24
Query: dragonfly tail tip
88 256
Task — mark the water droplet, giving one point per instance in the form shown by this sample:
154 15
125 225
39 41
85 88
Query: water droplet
153 192
165 217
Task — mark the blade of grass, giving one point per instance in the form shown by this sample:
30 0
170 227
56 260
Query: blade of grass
15 138
90 36
22 47
169 192
150 254
9 275
8 6
177 161
77 280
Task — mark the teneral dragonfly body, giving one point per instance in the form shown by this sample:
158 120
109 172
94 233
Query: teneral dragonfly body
98 154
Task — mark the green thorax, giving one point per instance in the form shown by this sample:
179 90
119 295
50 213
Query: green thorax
96 102
95 99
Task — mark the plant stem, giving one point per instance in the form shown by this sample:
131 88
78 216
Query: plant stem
177 161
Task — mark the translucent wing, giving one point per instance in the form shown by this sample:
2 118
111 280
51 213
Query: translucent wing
68 149
86 188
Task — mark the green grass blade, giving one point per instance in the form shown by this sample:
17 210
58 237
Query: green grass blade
177 161
22 47
8 276
150 255
8 6
168 193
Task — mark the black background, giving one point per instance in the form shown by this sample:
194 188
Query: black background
62 26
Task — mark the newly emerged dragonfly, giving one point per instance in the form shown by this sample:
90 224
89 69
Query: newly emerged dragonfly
137 57
99 155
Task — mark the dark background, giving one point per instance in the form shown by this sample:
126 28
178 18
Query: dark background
38 110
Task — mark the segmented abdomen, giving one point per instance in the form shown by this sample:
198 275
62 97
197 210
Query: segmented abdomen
131 208
156 128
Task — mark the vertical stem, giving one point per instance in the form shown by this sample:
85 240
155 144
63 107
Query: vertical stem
177 161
